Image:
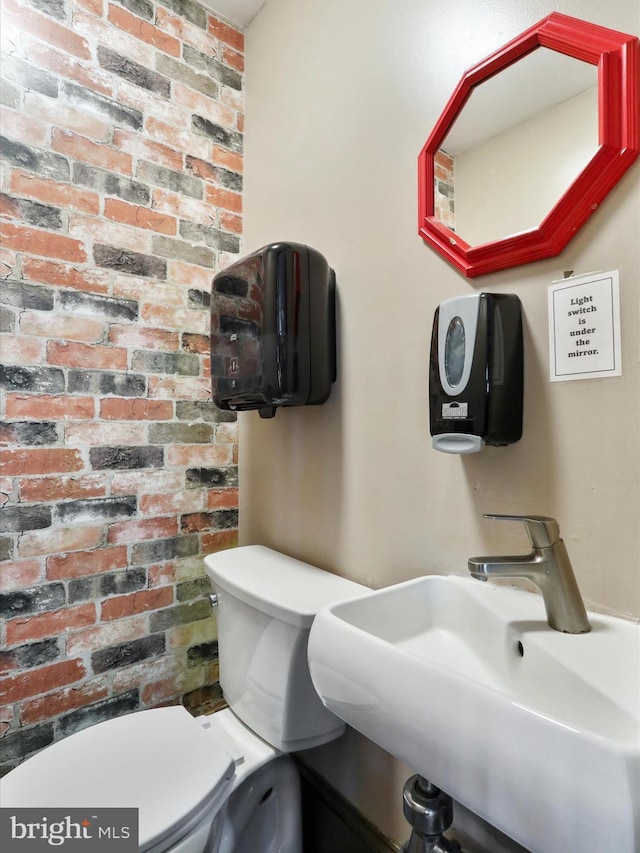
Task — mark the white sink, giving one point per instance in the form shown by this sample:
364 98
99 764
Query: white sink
536 731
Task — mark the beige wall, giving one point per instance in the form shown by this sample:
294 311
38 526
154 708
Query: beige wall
493 178
340 98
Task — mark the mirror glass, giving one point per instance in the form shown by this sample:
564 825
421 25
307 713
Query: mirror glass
519 142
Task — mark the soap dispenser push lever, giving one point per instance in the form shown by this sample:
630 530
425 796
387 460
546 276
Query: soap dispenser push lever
548 566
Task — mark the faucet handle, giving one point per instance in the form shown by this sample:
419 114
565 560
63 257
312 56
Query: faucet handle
543 532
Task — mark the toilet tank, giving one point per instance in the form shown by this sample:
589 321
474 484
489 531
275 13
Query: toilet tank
266 604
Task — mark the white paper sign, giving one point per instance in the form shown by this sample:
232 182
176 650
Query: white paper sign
584 327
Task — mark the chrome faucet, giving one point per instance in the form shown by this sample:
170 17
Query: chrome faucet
548 566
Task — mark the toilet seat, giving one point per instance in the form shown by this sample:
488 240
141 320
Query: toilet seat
161 761
247 749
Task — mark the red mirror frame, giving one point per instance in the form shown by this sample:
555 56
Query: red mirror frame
617 56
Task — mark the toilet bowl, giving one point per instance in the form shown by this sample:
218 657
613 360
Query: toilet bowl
220 783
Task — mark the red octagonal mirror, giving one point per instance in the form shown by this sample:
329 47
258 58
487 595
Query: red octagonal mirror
529 144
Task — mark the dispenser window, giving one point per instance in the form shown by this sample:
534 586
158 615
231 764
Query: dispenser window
454 350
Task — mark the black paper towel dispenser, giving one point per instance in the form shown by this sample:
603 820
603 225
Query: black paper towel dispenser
273 330
476 372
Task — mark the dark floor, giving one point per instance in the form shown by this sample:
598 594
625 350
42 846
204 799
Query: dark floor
330 824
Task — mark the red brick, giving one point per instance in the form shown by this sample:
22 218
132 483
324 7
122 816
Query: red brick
223 32
202 168
441 158
82 563
227 432
223 198
47 406
160 691
9 207
49 272
43 460
28 130
137 288
71 354
81 148
8 262
67 66
151 670
170 23
183 30
96 7
66 116
219 541
145 482
27 20
232 98
51 192
228 159
198 455
230 222
36 242
180 388
161 574
57 541
232 58
140 217
54 704
183 207
184 319
189 275
204 105
196 522
190 500
26 629
143 337
109 634
20 574
61 326
62 488
121 408
17 350
124 20
155 152
108 433
41 680
169 133
137 602
148 528
102 31
222 499
94 230
7 714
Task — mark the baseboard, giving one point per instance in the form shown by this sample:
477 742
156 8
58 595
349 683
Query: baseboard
331 824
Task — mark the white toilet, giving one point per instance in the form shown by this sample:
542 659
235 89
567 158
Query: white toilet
220 783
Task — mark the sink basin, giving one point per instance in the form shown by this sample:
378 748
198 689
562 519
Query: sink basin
536 731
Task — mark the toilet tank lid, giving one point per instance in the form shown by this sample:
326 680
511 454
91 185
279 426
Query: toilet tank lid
276 584
161 761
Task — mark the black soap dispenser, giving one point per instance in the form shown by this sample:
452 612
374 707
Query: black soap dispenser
476 373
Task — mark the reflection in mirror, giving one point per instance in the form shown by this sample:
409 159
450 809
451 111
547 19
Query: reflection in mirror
521 139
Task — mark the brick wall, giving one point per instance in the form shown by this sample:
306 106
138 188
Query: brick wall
444 204
120 197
